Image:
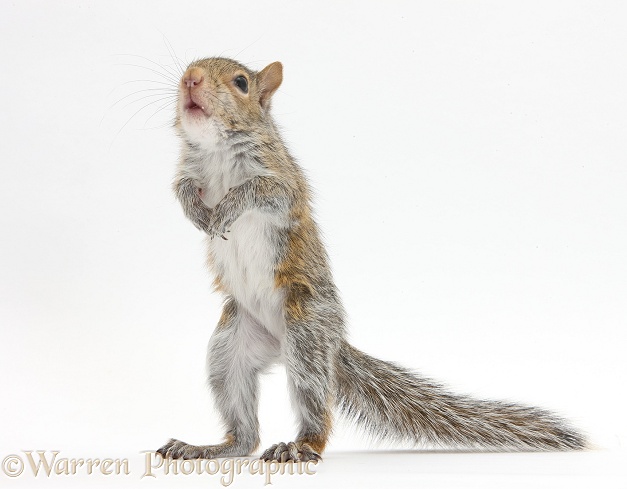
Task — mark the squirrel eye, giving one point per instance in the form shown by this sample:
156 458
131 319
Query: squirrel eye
242 83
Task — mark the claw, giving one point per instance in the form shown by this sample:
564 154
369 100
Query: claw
268 453
165 450
298 451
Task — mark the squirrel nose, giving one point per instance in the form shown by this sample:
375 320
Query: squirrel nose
192 77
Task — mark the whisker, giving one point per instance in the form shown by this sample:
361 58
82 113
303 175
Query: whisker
193 60
164 106
220 103
139 81
133 116
161 90
251 44
171 73
171 97
161 126
173 55
218 92
171 80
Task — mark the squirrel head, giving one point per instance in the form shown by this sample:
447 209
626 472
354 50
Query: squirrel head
219 96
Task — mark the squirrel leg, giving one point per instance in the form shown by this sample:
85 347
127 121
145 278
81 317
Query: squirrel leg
239 350
309 351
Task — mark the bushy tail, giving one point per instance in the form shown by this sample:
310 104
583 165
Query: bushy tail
392 403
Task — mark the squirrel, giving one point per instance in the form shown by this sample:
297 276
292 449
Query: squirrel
237 182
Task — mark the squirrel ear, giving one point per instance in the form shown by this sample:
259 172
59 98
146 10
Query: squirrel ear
268 80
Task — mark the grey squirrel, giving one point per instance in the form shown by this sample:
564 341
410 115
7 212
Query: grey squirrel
237 182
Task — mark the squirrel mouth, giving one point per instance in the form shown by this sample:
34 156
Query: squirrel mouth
193 107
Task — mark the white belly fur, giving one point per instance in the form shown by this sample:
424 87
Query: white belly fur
246 263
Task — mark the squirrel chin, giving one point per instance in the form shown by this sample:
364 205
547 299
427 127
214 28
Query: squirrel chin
202 131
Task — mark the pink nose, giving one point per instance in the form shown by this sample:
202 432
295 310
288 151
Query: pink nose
192 77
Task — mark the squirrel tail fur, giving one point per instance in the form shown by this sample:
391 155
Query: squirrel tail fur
390 402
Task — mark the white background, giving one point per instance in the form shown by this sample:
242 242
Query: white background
470 167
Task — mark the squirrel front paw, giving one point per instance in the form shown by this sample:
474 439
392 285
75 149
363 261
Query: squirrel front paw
296 451
218 227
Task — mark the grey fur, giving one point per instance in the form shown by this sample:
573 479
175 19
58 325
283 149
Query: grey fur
282 301
393 403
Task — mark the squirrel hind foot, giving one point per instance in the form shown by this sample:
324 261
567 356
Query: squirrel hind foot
177 449
292 451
